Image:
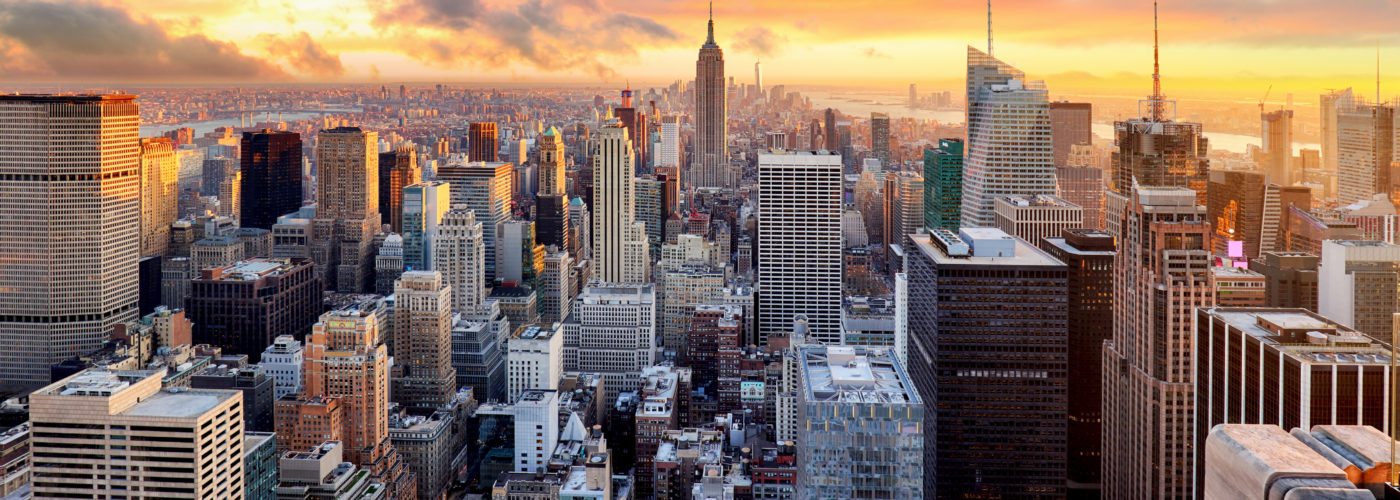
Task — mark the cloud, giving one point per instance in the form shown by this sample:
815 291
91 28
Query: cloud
303 54
87 40
548 35
873 53
760 41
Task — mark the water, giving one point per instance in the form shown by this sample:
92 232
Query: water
205 126
895 107
1218 140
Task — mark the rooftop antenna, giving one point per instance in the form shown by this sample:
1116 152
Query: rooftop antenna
1378 72
1157 97
711 38
989 27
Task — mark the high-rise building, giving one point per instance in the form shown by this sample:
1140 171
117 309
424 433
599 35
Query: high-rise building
423 374
1291 368
1162 274
552 220
534 359
637 131
1034 218
347 208
422 206
1359 285
478 356
483 141
1160 152
230 196
551 162
536 430
1070 126
913 95
1088 255
242 307
459 253
556 286
709 165
483 188
616 235
1278 148
1365 149
612 332
799 243
1290 279
1004 108
346 363
859 413
397 169
96 417
943 185
1082 186
647 208
880 138
158 195
1236 211
830 139
271 166
1238 287
388 264
72 241
684 287
904 207
1331 105
987 329
670 153
283 362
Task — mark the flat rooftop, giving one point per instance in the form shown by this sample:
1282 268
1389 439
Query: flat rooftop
182 404
1323 341
1235 272
855 375
1026 254
1039 200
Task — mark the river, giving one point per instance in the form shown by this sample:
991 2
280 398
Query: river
202 127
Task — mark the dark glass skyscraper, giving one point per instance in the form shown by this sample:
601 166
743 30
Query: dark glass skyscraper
987 351
271 177
943 184
484 141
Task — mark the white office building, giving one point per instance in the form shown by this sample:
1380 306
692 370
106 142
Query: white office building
612 332
799 243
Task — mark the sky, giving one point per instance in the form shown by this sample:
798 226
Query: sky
1209 47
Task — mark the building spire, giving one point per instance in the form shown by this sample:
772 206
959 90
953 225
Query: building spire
989 27
710 40
1157 97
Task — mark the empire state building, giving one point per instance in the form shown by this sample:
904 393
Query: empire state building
710 165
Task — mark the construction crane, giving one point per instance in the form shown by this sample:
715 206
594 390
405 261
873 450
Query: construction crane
1266 97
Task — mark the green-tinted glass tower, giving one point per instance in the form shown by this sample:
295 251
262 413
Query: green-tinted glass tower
943 185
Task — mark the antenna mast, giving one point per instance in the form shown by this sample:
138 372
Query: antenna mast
989 27
1157 97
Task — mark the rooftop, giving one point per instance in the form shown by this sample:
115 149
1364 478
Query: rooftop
1039 200
1024 253
253 269
1234 272
1306 336
180 403
855 375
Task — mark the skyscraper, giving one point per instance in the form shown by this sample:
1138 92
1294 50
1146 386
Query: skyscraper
158 195
72 241
346 363
830 140
1082 186
904 207
1163 273
271 166
1236 211
483 141
799 243
1004 108
612 332
880 139
459 253
987 341
1088 256
943 185
1331 105
1358 285
551 162
858 413
397 169
1277 130
483 188
710 165
423 340
92 418
1365 149
670 153
347 208
616 234
1070 126
423 205
241 308
636 124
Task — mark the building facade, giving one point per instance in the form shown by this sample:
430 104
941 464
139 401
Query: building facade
799 243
